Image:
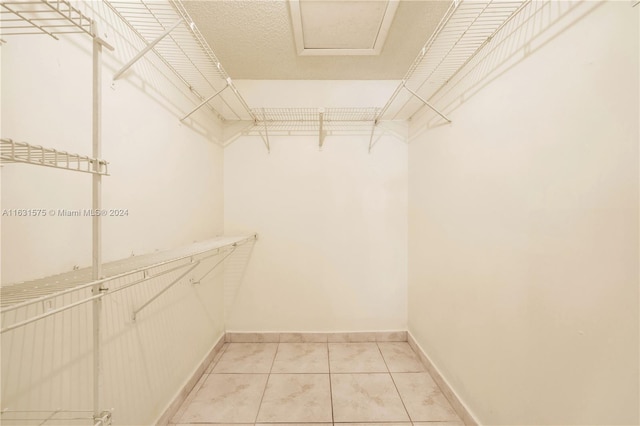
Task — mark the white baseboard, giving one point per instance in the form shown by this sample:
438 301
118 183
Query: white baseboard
460 407
182 394
322 337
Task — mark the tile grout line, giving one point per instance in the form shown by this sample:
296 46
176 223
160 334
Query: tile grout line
394 383
201 381
330 385
264 391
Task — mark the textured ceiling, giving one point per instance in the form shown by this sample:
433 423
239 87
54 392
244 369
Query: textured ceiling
254 40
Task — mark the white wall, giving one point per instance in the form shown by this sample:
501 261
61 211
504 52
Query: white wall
523 223
332 224
167 175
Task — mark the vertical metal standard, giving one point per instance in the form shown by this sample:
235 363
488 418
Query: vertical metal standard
426 103
321 120
145 50
96 270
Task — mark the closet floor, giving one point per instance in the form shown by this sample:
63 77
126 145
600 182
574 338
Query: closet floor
316 383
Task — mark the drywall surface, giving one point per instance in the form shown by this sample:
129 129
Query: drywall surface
166 175
332 226
523 222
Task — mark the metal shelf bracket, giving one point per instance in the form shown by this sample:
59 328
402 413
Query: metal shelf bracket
424 101
144 51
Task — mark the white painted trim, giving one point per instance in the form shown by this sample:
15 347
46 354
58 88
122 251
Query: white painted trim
452 396
182 394
381 37
319 337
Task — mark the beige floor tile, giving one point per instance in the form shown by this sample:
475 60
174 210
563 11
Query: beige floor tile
227 398
452 423
246 358
423 399
400 357
300 398
355 358
301 358
366 398
176 417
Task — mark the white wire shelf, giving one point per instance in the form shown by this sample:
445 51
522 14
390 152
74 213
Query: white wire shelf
22 152
283 120
54 418
51 17
464 30
37 299
181 46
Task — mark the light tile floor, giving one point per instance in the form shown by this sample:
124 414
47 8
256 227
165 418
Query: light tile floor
316 384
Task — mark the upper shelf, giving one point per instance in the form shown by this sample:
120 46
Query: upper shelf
184 50
463 31
22 152
49 17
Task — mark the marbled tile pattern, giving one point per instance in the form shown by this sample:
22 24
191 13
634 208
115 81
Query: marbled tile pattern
301 358
400 357
302 398
247 358
423 398
320 383
356 358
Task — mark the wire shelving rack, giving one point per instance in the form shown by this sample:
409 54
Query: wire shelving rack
22 152
464 30
51 17
167 29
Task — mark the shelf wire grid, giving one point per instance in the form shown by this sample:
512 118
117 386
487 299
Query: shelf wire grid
185 51
286 120
463 31
51 17
22 152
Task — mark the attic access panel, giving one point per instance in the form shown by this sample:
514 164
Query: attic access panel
341 28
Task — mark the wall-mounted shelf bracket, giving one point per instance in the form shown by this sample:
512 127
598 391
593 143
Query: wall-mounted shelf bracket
373 131
265 138
161 292
144 51
203 103
234 246
424 101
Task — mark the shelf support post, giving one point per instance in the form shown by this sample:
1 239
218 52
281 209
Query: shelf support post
144 51
426 103
96 269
